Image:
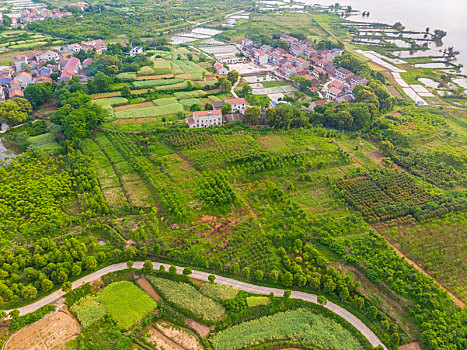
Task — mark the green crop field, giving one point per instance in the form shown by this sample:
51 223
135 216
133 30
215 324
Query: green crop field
150 111
189 94
45 143
127 76
157 82
311 329
88 310
110 101
165 101
146 70
257 301
187 297
125 303
191 101
218 291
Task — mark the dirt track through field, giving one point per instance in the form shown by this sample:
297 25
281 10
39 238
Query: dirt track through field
414 264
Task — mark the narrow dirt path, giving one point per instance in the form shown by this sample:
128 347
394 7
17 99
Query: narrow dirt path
414 264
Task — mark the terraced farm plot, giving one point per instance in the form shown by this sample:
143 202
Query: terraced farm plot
157 82
134 106
162 67
146 70
134 187
108 180
125 303
189 94
190 102
165 101
157 111
110 101
127 76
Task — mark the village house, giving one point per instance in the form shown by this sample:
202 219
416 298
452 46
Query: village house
238 104
279 51
87 62
221 70
318 73
310 52
333 93
74 48
48 56
15 93
313 104
266 48
298 49
99 45
301 63
24 79
357 80
20 61
136 51
289 70
246 43
260 57
204 119
343 74
274 59
72 67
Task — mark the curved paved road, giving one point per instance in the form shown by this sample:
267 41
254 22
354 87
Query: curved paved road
200 275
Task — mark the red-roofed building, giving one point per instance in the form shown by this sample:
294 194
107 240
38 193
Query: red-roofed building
238 104
317 103
204 119
72 67
220 68
15 93
318 72
301 63
333 93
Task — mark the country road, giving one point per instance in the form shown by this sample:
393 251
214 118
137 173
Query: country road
203 276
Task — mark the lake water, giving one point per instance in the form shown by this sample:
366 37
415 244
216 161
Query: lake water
448 15
5 152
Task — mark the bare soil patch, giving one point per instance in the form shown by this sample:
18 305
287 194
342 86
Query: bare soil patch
45 334
183 337
161 341
134 106
146 286
411 346
202 329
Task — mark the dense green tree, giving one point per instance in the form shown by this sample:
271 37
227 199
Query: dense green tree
15 111
226 108
232 76
38 94
252 115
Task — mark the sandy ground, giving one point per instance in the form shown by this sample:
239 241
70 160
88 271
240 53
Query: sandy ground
45 334
182 337
202 329
161 341
411 346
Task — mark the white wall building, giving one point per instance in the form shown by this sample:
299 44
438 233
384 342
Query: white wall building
204 119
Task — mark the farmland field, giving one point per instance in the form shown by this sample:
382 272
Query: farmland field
157 82
125 303
150 111
110 101
88 310
218 291
299 325
188 298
